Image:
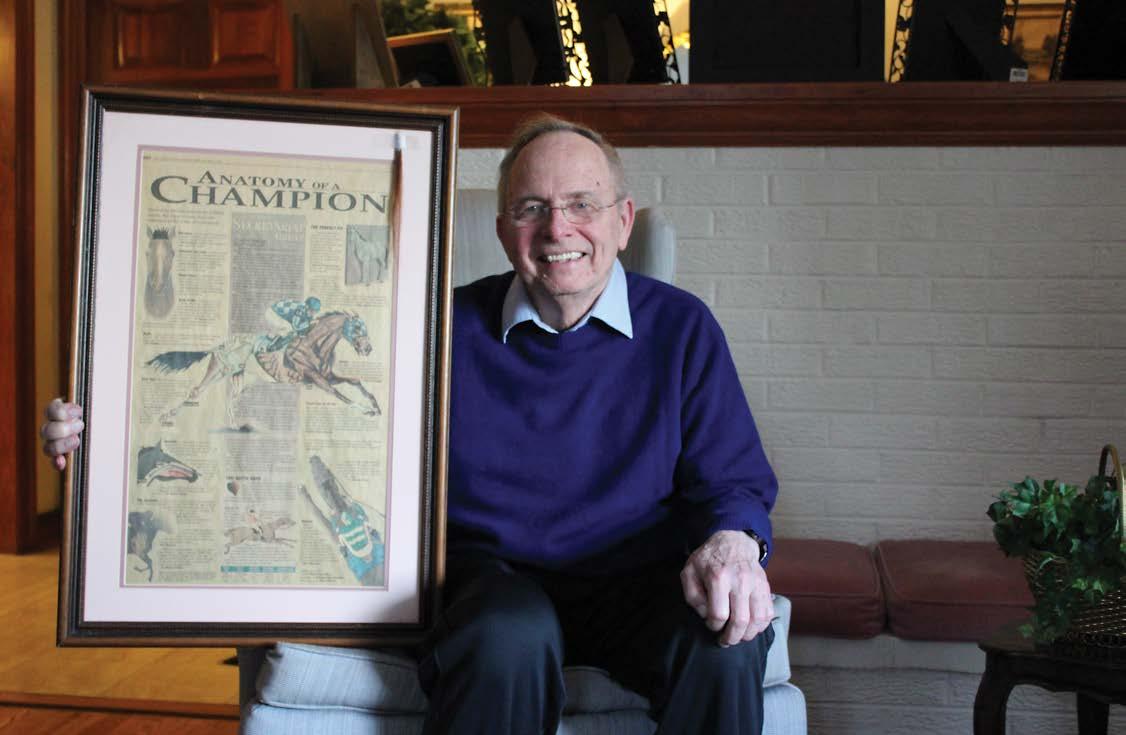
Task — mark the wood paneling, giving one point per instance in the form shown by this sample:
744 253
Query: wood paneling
246 31
218 43
17 305
151 36
843 114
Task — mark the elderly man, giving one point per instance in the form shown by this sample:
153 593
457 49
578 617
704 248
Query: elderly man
608 492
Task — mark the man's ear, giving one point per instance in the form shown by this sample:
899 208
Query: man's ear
501 234
627 213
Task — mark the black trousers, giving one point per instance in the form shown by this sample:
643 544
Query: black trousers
494 663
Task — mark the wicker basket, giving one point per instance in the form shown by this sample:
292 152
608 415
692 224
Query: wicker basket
1103 624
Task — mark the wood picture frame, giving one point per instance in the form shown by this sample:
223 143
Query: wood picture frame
1036 37
261 346
430 58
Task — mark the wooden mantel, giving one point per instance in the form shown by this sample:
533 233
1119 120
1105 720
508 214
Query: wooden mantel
841 114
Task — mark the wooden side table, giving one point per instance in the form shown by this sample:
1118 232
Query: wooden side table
1096 675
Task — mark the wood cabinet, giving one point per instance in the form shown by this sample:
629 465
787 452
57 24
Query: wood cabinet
201 43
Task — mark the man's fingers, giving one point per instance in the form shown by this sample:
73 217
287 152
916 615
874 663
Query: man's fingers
60 462
58 410
738 621
53 430
60 447
693 590
719 599
762 611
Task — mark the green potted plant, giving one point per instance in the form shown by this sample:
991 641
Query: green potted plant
1072 545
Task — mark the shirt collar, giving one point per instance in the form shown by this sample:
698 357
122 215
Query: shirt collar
611 307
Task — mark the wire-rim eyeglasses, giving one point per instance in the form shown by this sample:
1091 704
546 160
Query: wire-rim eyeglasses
576 211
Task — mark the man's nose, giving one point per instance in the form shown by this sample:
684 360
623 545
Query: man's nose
556 224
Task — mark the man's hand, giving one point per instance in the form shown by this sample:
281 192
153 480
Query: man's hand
724 582
60 432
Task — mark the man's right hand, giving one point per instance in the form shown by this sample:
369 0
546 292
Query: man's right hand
60 432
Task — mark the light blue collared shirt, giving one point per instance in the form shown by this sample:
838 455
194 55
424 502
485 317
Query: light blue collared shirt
611 307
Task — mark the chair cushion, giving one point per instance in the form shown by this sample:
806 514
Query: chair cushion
950 590
834 586
303 675
299 675
783 705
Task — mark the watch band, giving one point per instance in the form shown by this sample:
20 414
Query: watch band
763 550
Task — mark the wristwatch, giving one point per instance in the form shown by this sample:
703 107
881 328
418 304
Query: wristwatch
763 551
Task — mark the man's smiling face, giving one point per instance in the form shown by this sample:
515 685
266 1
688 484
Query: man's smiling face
564 266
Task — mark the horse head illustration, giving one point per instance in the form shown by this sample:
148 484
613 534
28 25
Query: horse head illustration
159 293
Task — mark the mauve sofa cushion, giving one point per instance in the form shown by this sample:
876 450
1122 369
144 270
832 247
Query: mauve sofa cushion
950 590
833 585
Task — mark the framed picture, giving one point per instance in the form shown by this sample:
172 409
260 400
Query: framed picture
262 350
430 59
1035 35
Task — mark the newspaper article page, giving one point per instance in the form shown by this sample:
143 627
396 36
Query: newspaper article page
263 293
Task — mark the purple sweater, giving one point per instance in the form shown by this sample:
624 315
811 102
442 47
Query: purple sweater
591 452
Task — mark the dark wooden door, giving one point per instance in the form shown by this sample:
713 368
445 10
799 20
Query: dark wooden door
17 205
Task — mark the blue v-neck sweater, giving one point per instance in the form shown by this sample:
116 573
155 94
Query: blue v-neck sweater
591 452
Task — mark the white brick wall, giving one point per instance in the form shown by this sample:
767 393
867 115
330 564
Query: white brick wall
914 327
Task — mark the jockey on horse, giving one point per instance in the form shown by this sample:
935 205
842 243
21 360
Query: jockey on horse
299 314
303 356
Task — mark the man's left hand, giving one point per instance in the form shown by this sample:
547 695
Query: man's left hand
724 582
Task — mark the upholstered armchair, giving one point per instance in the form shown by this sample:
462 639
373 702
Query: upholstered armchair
303 689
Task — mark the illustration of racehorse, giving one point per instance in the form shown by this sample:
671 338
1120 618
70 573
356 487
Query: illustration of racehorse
367 254
307 359
267 533
160 296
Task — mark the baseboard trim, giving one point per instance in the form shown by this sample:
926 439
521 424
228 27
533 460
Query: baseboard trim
48 530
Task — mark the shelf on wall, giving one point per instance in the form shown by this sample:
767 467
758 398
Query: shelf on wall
848 114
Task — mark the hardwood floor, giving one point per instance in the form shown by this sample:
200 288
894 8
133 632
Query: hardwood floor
186 691
62 721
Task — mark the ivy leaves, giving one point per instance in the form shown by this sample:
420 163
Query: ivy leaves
1079 535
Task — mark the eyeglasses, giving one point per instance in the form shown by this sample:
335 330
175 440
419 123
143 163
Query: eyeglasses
576 211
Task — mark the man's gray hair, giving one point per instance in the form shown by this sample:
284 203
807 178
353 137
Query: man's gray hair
543 124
